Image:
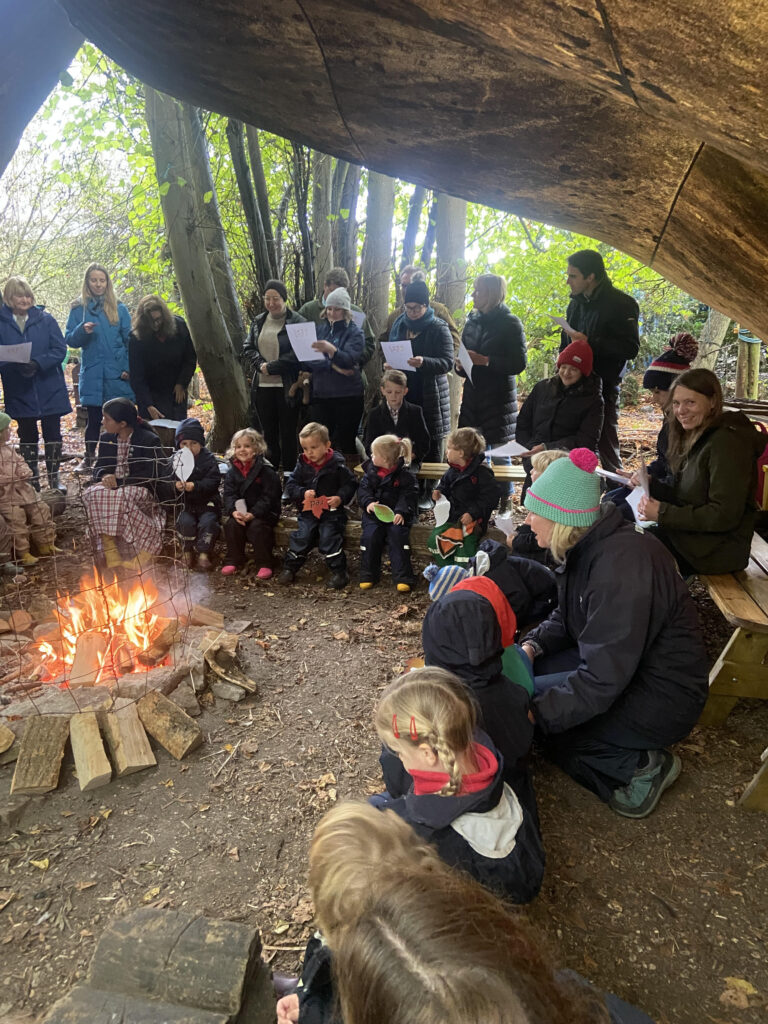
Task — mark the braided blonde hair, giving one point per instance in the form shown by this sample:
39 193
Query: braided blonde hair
432 706
393 448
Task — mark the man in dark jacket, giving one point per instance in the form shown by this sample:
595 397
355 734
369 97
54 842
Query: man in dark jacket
607 319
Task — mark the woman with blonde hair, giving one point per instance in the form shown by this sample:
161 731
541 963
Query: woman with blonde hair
34 390
99 326
706 512
620 670
162 359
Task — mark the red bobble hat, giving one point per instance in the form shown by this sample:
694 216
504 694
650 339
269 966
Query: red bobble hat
578 354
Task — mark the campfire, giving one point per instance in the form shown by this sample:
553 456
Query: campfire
105 631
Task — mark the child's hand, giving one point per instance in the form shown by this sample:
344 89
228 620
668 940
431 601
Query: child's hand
189 486
110 481
334 502
436 495
398 520
309 494
370 508
179 485
239 517
288 1009
466 519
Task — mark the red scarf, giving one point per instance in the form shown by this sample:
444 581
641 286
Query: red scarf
455 465
431 782
319 465
495 595
382 471
244 467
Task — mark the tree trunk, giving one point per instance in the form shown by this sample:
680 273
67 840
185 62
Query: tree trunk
374 296
215 351
450 232
429 238
415 206
301 178
262 196
213 232
345 242
321 218
248 199
711 339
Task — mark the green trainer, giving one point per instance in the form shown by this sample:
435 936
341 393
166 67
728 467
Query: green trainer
639 797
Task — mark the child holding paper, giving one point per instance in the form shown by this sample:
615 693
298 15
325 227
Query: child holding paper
337 382
469 484
387 482
198 523
321 485
252 502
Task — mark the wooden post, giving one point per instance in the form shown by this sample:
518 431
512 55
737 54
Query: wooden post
747 368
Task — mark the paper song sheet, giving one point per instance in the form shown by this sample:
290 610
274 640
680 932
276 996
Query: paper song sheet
563 324
612 476
633 500
464 361
510 448
358 317
16 353
302 337
397 354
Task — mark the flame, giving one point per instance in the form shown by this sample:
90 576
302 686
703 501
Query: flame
123 618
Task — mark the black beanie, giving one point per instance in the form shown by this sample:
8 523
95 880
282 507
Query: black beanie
417 291
278 287
672 362
190 430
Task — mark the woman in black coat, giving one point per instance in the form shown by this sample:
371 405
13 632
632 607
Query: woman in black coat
274 368
564 411
162 360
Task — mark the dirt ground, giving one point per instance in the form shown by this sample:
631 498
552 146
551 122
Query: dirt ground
669 912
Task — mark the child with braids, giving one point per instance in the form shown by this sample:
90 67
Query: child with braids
456 797
387 481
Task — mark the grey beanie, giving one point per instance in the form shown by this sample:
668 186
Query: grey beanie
339 297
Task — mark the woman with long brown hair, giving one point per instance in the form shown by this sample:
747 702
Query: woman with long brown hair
99 326
706 515
162 360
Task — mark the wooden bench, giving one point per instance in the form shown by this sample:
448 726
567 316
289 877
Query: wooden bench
742 668
434 470
419 535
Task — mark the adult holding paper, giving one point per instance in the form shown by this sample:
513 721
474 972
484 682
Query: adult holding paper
99 326
620 670
706 513
274 368
606 318
162 360
432 358
33 389
337 277
337 383
495 342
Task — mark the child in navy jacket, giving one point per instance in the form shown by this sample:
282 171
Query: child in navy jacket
252 501
198 524
387 481
321 485
469 484
456 797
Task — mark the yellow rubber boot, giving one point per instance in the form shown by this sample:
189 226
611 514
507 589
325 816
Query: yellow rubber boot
48 549
366 585
111 553
404 588
28 559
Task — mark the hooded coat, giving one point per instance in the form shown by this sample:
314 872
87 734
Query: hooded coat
327 381
399 489
259 488
332 478
560 417
489 400
103 352
530 588
472 489
708 510
428 386
642 679
43 391
206 476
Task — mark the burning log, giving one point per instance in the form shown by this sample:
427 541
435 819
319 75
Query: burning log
161 644
40 755
90 652
122 660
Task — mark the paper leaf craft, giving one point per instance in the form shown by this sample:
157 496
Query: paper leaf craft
383 513
316 505
442 510
506 524
183 462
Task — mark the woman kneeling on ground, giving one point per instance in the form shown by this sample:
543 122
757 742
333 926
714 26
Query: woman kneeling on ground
620 667
706 515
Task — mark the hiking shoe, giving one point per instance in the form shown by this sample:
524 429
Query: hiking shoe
338 581
286 576
366 585
639 797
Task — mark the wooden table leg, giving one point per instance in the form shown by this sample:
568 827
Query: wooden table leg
755 796
740 671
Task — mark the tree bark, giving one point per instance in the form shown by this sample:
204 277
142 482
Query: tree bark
213 232
321 218
248 199
711 339
262 196
415 206
374 296
345 241
301 179
429 238
450 232
215 351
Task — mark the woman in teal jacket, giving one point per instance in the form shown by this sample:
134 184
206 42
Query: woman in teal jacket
99 326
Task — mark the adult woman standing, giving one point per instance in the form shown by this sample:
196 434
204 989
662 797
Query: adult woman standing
620 670
275 368
34 390
162 360
706 515
99 326
432 359
337 383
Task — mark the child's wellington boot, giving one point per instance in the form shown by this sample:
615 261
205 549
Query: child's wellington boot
28 559
48 549
111 553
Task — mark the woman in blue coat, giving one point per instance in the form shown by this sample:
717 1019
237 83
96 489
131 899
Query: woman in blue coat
34 390
99 326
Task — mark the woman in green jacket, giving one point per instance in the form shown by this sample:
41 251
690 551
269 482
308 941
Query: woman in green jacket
706 514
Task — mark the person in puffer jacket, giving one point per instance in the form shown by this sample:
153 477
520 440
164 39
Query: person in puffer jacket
252 502
387 482
457 798
469 484
199 521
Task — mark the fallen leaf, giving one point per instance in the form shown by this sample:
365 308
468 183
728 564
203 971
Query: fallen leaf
105 812
85 885
741 985
234 853
341 635
281 927
42 864
168 784
151 894
204 807
413 663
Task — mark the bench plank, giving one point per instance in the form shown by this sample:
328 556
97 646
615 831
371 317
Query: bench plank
736 604
434 470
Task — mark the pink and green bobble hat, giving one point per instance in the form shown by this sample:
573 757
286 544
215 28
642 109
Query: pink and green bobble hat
568 491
